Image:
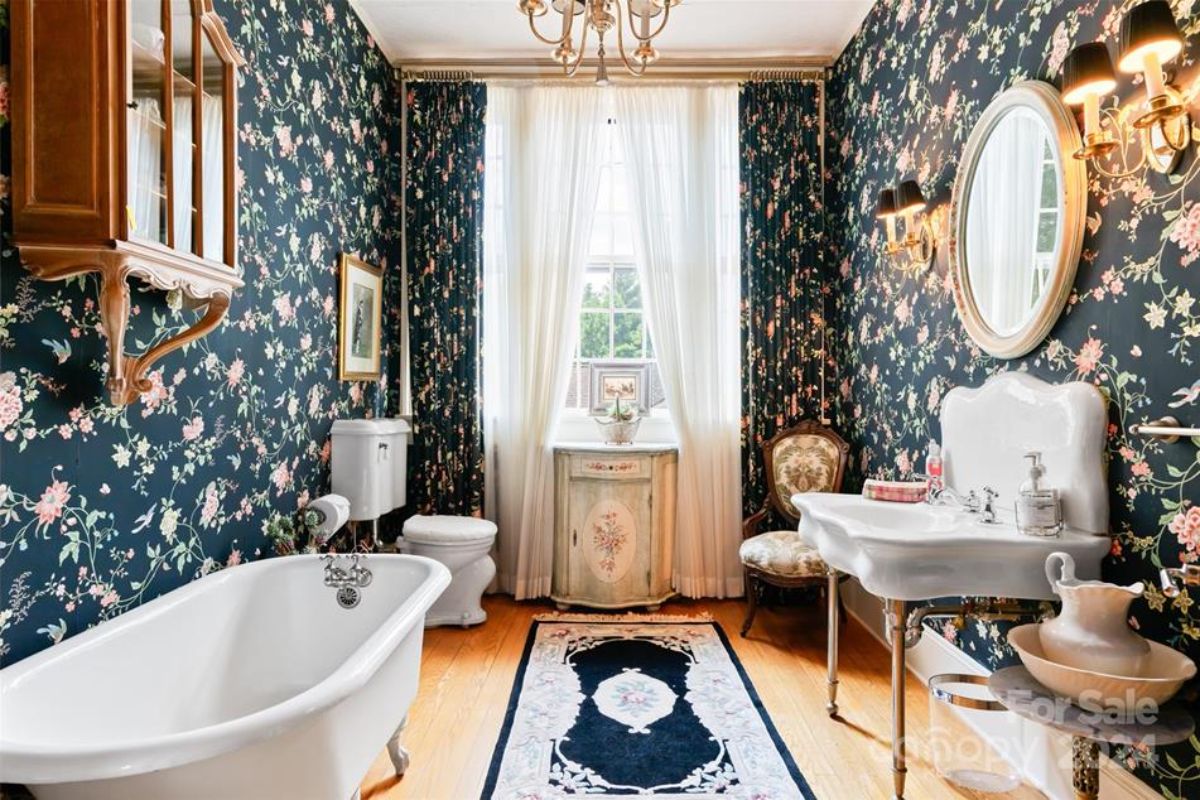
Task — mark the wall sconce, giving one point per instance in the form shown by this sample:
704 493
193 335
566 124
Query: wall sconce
915 251
886 211
1149 39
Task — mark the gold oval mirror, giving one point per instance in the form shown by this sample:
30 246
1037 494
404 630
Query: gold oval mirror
1019 209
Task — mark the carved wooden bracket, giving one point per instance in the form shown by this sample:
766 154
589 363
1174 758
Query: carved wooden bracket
127 374
197 280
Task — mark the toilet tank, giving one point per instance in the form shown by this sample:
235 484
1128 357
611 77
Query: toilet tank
369 462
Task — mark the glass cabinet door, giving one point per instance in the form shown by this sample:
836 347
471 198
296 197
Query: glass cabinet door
212 149
146 206
179 129
183 124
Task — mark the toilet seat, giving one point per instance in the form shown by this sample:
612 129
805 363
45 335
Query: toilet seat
444 529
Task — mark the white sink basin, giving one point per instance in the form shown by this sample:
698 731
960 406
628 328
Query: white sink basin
915 552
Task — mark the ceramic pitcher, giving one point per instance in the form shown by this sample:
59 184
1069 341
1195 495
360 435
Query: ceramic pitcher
1092 631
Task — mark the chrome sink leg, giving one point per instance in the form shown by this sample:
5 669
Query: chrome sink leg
831 650
894 616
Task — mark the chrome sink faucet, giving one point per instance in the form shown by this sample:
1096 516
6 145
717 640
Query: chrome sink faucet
982 503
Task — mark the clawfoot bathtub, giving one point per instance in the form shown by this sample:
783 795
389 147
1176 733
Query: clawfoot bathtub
249 683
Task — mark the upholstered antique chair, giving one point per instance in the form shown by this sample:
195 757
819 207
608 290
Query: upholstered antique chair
806 458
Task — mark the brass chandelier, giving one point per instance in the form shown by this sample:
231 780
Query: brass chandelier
602 16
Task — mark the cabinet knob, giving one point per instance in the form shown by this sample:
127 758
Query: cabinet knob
574 538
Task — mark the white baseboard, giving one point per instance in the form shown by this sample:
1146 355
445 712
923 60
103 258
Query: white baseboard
1041 755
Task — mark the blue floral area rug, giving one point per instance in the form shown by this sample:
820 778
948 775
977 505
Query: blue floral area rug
649 706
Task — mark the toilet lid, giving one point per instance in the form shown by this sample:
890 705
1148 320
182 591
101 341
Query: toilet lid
444 529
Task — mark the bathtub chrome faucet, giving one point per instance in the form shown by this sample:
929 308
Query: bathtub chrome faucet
348 581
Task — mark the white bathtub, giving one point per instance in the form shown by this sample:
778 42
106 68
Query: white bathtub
249 683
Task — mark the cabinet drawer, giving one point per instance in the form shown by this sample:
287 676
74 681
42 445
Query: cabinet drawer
610 467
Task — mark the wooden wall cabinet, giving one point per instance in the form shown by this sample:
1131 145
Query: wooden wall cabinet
614 532
124 127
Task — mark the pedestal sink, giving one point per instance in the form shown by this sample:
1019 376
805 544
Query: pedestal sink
903 553
915 552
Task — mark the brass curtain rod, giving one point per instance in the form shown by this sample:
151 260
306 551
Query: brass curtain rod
462 76
665 71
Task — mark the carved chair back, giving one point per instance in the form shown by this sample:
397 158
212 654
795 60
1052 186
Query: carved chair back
808 457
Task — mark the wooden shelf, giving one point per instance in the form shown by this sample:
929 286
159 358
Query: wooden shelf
207 282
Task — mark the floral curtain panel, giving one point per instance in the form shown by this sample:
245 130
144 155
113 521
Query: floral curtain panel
783 245
444 247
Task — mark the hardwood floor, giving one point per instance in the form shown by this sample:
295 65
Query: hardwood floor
466 677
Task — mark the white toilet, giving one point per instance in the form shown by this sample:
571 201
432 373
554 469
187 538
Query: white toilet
464 545
370 467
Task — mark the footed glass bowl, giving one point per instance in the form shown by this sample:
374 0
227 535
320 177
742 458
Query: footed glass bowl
616 432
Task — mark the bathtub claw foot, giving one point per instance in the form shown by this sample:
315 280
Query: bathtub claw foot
398 754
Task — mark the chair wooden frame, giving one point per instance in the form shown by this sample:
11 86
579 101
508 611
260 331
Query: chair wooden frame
756 579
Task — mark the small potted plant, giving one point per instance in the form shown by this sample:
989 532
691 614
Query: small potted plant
620 425
294 533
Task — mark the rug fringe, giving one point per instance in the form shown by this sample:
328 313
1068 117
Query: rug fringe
629 616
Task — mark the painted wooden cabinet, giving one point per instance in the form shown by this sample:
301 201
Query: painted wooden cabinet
614 525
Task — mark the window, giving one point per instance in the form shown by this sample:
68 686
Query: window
614 344
1047 231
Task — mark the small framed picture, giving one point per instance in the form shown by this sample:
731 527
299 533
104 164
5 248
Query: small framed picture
610 382
360 319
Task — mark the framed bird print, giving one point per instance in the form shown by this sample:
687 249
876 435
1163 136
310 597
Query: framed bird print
360 319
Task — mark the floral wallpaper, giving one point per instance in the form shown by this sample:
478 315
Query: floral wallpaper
783 266
103 508
902 100
444 229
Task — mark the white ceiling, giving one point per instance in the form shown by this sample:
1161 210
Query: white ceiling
409 30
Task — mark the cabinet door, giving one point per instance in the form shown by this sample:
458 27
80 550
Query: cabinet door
147 145
180 129
609 548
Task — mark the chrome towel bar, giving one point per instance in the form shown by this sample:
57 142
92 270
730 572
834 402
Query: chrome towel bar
1165 429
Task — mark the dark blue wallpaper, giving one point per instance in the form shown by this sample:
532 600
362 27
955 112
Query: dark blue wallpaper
103 508
902 101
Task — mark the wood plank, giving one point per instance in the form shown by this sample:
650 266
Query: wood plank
467 676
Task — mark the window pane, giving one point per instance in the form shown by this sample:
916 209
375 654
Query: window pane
626 292
1047 231
594 335
601 241
597 289
1049 185
627 334
622 236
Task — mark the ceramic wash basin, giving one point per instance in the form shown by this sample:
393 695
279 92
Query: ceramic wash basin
917 552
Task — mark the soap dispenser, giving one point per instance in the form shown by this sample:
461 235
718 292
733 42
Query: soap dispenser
1038 510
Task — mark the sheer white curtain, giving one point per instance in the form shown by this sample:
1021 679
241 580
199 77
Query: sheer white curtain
1003 216
681 147
541 179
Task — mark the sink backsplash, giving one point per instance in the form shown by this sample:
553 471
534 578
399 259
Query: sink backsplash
988 429
902 100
